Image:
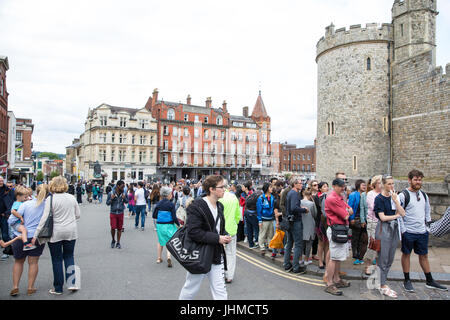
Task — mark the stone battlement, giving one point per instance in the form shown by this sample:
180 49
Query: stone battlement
402 7
371 33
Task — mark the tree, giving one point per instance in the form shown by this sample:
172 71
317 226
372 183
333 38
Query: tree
54 174
50 155
40 176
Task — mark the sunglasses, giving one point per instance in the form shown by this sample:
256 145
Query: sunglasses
314 185
418 196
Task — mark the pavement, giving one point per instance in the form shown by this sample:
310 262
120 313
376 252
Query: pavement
439 262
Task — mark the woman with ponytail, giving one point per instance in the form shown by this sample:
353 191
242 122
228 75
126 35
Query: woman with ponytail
32 212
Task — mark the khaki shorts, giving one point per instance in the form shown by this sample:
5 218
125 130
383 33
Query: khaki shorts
338 251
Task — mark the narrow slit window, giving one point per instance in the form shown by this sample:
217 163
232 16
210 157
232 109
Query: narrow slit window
332 128
355 163
328 125
369 64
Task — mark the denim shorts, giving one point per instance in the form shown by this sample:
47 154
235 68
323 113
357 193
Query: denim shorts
418 242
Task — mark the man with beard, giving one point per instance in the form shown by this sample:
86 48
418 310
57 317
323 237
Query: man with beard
415 230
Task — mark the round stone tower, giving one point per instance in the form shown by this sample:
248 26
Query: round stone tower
353 101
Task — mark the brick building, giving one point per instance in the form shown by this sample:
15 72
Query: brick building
22 170
4 66
196 141
299 161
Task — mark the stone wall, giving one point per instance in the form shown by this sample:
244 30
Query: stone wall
420 124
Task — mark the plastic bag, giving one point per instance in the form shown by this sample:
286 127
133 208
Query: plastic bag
277 240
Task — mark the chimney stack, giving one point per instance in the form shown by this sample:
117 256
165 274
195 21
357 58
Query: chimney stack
208 102
245 112
224 106
188 100
155 96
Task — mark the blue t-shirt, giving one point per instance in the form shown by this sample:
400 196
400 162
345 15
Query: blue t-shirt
32 216
385 205
14 219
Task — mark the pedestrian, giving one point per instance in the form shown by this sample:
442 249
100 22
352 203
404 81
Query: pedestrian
244 194
388 210
166 219
89 188
131 202
140 206
182 203
71 189
294 235
251 219
117 199
32 212
65 211
206 214
314 186
95 190
6 202
337 213
79 191
265 211
100 193
358 221
309 224
154 199
278 214
372 220
232 215
416 204
322 225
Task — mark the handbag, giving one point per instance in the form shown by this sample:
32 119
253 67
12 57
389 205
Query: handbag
375 244
195 257
285 224
47 230
339 233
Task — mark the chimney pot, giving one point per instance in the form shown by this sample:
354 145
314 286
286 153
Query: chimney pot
245 112
188 100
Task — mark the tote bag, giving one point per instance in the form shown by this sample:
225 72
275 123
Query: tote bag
47 230
195 257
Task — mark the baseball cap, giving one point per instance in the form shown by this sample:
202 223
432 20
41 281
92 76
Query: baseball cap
338 182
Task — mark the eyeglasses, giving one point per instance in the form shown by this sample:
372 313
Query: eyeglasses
221 187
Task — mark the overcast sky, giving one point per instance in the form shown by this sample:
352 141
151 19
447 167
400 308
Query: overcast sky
68 56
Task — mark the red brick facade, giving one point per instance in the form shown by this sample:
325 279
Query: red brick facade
24 128
3 109
297 160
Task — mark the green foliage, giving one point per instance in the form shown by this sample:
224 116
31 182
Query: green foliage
54 174
50 155
40 176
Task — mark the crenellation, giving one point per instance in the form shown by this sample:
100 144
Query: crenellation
447 70
342 36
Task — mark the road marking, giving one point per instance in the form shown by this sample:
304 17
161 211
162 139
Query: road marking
273 270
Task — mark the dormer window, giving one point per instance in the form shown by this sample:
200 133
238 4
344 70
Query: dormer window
123 122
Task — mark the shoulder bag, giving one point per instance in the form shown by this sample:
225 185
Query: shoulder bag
47 230
195 257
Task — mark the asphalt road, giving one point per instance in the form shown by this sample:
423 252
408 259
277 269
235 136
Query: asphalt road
131 273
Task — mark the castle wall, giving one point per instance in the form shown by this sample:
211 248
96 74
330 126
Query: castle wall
355 101
420 124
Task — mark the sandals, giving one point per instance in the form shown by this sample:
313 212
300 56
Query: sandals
31 291
14 292
159 260
343 284
388 292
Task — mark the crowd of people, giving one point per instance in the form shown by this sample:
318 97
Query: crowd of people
320 223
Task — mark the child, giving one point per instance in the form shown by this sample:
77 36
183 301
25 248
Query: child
22 195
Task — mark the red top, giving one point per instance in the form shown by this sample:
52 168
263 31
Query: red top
335 209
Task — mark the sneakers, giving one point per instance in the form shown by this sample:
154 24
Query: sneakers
113 244
408 286
307 262
300 270
4 257
357 261
434 285
28 246
56 293
288 268
118 246
274 255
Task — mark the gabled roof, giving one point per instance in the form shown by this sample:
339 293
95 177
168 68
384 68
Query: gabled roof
4 60
259 110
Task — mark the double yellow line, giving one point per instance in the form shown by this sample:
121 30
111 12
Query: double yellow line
271 269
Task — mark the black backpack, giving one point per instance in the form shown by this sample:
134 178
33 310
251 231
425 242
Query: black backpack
250 202
407 197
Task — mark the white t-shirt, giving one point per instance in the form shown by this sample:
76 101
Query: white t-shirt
417 212
214 213
140 197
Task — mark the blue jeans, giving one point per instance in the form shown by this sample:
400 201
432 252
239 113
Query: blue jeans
140 210
251 219
294 238
100 197
62 251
